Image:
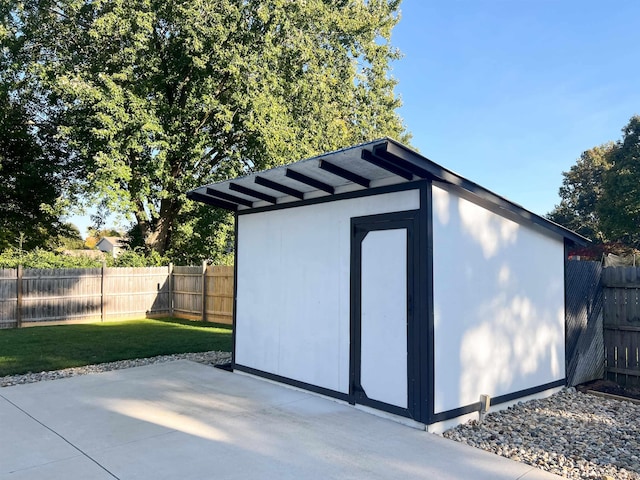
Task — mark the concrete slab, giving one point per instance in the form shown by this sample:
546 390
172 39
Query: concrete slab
189 421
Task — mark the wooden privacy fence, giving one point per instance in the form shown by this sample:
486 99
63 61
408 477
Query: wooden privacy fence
46 296
621 306
203 293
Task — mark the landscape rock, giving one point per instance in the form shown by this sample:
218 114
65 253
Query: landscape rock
572 434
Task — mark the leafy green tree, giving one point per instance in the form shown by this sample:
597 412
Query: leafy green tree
581 191
34 167
28 185
619 207
69 239
158 96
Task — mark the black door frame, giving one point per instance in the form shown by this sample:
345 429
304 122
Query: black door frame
416 376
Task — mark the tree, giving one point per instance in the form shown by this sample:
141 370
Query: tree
619 207
34 168
581 191
27 181
157 97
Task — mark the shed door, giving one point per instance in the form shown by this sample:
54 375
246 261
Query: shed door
382 313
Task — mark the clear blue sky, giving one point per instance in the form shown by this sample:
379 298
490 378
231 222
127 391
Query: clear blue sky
509 93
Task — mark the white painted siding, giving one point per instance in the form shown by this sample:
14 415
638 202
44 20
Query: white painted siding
293 287
498 303
384 316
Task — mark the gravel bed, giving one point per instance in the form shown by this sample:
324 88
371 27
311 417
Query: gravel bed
572 434
207 358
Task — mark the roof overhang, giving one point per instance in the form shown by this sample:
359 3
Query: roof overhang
369 165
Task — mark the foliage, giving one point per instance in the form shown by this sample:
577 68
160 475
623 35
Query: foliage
35 168
157 97
600 194
27 181
44 348
38 258
70 239
619 206
133 258
580 192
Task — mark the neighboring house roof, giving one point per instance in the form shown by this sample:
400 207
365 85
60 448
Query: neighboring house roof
377 163
112 241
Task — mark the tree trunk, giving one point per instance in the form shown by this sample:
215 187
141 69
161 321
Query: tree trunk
158 236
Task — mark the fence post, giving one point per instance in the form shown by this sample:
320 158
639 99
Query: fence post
102 306
19 297
171 289
204 290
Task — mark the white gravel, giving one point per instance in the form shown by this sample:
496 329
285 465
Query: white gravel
573 434
208 358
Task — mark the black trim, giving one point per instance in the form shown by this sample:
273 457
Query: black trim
312 182
346 174
360 227
214 202
265 182
227 367
294 383
229 197
400 160
234 318
427 332
385 165
397 187
493 207
454 413
252 193
528 391
381 151
509 397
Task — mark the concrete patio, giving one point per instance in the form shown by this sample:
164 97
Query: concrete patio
189 421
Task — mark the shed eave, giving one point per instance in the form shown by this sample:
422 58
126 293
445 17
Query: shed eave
380 162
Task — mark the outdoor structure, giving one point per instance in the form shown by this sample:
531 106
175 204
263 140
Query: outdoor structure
110 245
375 276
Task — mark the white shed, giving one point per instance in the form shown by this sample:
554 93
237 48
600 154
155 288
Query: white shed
377 277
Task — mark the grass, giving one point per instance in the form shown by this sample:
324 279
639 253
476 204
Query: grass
37 349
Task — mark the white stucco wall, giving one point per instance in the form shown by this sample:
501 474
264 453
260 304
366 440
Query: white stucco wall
498 303
292 313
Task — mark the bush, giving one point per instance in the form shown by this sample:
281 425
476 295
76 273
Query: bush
135 258
39 258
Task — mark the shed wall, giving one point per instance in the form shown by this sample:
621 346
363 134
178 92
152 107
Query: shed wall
293 305
498 294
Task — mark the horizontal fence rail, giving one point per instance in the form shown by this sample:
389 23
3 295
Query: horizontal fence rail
52 296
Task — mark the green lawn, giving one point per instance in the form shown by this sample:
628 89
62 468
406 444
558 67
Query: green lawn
37 349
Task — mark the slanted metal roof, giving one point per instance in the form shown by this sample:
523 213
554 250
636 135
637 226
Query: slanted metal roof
368 165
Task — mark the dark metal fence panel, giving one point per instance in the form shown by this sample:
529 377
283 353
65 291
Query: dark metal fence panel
584 321
622 324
